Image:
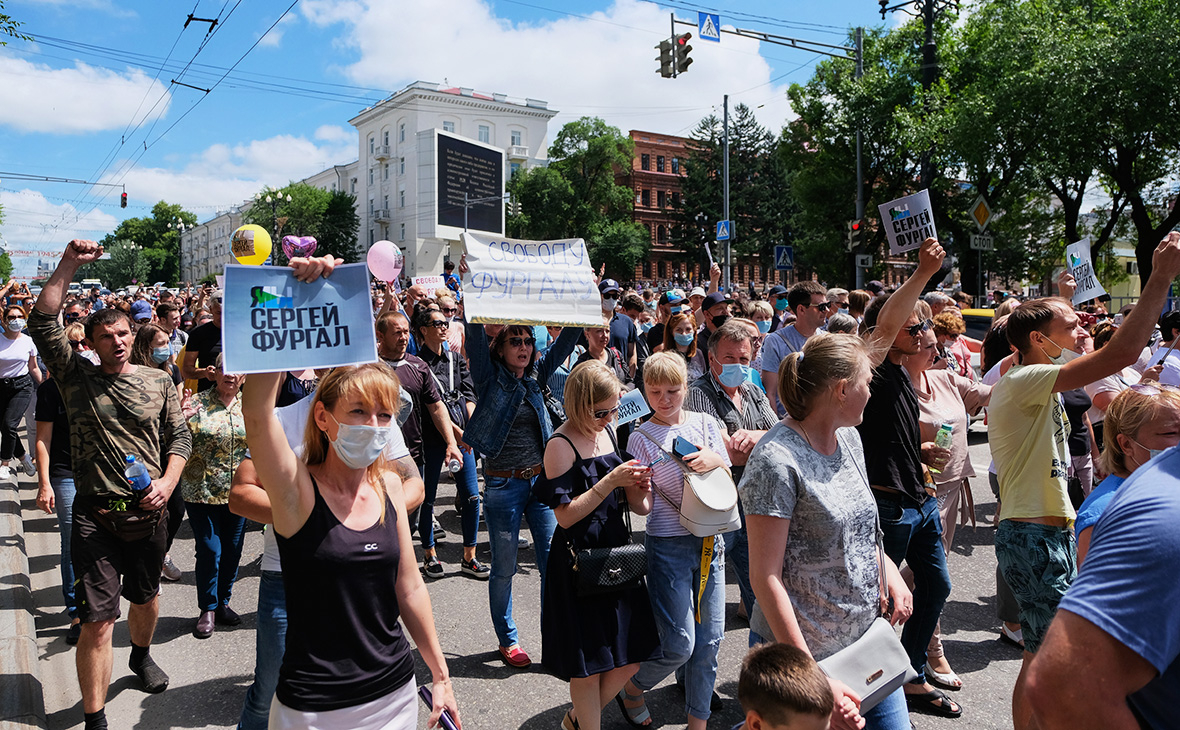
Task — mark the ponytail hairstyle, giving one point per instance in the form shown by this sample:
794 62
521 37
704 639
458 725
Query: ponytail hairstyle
825 360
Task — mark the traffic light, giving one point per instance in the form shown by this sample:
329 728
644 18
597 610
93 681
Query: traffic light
123 200
682 49
858 233
667 59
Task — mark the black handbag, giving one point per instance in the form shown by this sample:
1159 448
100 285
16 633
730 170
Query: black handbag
609 570
452 398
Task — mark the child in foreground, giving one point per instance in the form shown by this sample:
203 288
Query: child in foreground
782 688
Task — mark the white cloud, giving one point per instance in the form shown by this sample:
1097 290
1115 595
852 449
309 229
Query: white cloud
275 36
599 65
335 133
76 100
35 223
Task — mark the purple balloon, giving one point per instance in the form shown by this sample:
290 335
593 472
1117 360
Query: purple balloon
385 260
299 246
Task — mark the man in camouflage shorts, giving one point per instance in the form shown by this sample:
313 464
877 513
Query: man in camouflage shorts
115 410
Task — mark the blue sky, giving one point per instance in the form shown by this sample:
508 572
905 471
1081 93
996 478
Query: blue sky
84 100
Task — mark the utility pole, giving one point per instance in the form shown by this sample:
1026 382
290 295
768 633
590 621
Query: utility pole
725 168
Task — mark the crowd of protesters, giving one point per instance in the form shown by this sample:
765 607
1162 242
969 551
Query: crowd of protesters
842 418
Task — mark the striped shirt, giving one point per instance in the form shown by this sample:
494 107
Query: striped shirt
667 477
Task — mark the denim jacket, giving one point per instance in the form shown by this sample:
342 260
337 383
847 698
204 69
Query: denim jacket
500 392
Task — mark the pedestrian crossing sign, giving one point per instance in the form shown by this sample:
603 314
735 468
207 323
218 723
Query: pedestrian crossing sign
724 230
784 258
709 27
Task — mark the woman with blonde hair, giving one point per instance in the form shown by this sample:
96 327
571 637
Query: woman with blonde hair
1141 422
686 573
808 506
593 642
349 565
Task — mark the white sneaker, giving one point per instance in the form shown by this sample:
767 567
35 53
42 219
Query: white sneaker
5 474
27 464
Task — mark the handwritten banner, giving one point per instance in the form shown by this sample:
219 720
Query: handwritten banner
430 283
632 406
530 282
274 323
1077 260
908 222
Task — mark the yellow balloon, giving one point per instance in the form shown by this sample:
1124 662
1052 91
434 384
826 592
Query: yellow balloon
250 245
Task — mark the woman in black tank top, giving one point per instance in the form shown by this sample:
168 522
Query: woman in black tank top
344 539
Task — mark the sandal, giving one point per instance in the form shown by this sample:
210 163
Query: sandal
635 716
569 722
946 680
934 702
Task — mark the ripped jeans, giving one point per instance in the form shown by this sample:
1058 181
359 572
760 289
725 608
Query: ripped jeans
690 648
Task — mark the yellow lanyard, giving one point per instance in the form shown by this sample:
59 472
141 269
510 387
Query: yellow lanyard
706 562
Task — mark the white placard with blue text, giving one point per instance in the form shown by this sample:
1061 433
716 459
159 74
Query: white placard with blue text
274 323
908 222
530 282
632 406
1077 259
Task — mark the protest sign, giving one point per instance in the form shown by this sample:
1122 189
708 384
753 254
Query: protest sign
430 283
530 282
1077 260
274 323
908 222
632 406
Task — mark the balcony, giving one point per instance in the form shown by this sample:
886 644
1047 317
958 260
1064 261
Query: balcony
381 152
518 152
382 215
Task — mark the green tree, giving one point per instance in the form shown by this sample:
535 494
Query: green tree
159 237
576 196
8 26
5 267
339 228
126 265
329 217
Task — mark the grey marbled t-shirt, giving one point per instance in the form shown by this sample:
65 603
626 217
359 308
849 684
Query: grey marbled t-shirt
830 566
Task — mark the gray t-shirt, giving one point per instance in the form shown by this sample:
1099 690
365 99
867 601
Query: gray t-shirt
830 567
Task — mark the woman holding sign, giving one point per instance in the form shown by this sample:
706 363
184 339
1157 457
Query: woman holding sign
344 535
510 426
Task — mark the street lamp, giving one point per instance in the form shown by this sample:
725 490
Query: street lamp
180 228
274 201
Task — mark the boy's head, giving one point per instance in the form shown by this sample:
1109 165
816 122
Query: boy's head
782 688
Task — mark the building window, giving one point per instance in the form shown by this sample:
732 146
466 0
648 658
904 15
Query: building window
401 132
661 199
485 133
449 127
372 237
401 234
659 163
386 173
401 198
372 205
645 162
385 138
661 235
662 269
676 165
514 168
385 205
675 199
401 166
645 198
637 197
370 176
352 186
372 144
517 138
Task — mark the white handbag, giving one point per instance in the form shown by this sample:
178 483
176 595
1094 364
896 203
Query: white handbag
709 502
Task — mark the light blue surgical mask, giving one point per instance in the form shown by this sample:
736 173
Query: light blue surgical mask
1062 357
684 340
161 354
1152 453
763 325
733 374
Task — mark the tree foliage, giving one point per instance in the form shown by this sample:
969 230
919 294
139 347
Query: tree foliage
8 26
127 265
576 196
158 240
5 266
329 216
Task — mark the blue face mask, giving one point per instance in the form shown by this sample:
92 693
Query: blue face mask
733 374
683 340
780 304
763 325
160 354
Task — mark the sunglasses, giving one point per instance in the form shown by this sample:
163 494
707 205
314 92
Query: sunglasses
518 341
822 306
919 328
604 413
450 310
1151 388
438 324
76 344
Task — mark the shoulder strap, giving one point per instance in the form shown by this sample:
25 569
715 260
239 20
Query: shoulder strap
674 460
571 443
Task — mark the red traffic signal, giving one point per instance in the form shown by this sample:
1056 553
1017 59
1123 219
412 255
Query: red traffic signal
681 52
123 200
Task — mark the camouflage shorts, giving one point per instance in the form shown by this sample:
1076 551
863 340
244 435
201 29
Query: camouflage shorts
1039 562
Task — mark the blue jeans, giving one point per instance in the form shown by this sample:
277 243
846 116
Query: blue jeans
63 501
505 502
673 578
218 535
890 714
467 484
270 640
914 533
737 554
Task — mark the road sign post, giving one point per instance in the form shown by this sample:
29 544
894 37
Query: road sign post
724 230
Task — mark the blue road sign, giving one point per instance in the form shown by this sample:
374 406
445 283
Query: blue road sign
724 230
709 27
784 258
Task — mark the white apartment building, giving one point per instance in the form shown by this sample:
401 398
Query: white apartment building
393 175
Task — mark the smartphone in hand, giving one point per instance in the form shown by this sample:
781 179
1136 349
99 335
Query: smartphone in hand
682 447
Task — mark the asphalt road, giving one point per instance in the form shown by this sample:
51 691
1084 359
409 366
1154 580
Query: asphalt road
209 677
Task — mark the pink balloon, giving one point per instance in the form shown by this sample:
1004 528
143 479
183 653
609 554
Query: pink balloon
385 260
295 246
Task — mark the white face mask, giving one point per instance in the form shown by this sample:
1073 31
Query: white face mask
359 446
1062 357
609 304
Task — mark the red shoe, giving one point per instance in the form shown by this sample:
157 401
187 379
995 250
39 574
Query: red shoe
514 656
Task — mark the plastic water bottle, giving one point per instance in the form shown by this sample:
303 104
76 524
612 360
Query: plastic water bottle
942 440
137 474
454 466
